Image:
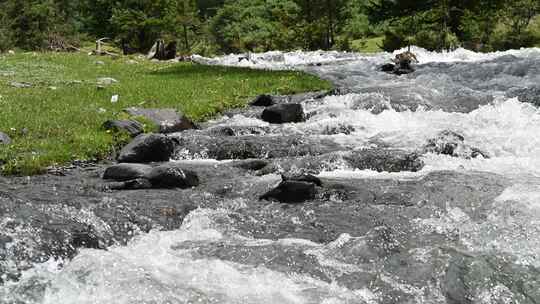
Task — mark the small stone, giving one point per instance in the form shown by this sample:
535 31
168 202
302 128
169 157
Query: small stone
4 139
20 85
106 81
99 62
168 120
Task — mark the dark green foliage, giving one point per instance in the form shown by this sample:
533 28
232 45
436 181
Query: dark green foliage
210 26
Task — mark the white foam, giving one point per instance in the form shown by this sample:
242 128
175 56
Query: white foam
291 60
153 268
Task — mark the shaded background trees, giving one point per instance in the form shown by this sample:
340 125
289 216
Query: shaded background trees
221 26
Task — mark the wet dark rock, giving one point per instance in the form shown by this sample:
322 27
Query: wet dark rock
147 148
308 178
252 164
292 192
389 160
388 67
263 101
284 113
168 120
453 144
397 69
403 71
4 139
172 176
124 172
132 127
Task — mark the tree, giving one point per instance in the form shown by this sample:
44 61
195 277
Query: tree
188 19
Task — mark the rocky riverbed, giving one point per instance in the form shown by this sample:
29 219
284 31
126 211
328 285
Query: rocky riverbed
422 188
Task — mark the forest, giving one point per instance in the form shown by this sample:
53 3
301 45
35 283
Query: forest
211 27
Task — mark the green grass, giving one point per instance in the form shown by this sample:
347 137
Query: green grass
367 45
54 126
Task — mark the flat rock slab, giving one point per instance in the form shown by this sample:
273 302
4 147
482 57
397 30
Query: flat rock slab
168 120
132 127
106 81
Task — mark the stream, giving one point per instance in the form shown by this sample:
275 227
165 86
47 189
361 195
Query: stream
430 194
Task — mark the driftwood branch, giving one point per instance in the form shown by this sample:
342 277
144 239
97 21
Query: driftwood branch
99 48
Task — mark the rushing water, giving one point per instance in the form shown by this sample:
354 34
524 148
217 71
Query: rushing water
472 236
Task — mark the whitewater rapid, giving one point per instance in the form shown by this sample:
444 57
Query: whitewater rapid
211 260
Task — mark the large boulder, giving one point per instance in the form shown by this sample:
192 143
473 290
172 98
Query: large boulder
292 192
172 176
284 113
4 139
147 148
389 160
124 172
168 120
132 127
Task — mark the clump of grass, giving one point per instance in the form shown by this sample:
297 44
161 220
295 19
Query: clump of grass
58 119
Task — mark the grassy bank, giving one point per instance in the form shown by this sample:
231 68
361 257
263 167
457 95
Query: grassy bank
58 119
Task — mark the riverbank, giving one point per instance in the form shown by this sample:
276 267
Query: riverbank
52 105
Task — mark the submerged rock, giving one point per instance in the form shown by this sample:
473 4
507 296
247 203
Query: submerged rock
168 120
4 139
453 144
527 95
284 113
133 127
147 148
291 192
134 184
252 164
389 160
172 176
